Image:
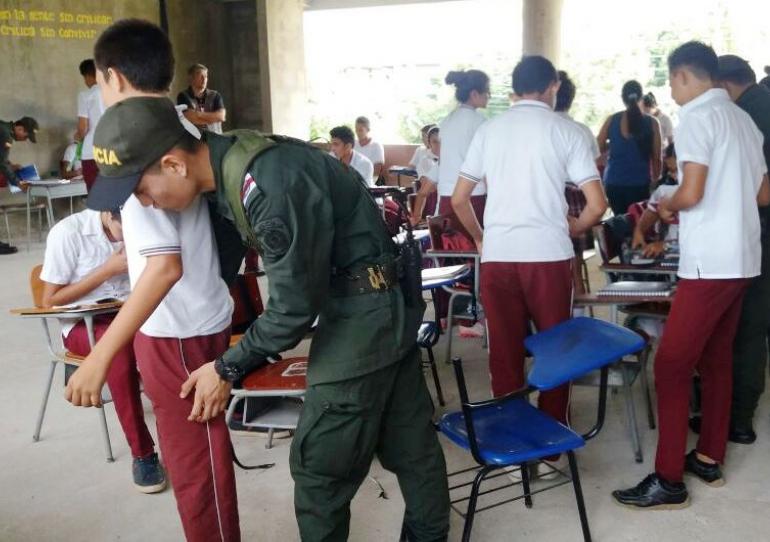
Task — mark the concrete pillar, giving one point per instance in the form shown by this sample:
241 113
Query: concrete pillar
542 29
282 67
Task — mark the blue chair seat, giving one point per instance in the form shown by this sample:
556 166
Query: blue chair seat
577 347
427 335
511 433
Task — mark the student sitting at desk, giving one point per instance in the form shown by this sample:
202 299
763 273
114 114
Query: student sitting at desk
427 175
85 262
423 151
70 165
342 143
650 221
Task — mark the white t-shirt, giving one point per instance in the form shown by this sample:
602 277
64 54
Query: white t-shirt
589 134
666 128
665 191
419 153
426 164
90 107
69 155
457 131
374 151
200 303
76 246
719 237
528 154
364 166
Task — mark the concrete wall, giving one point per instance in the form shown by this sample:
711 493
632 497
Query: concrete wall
39 73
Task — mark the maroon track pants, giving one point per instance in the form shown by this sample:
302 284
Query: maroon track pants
198 456
123 381
512 295
698 336
90 172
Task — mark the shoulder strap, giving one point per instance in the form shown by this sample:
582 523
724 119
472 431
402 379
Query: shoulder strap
236 163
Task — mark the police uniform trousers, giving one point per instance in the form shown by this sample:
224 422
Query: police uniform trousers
343 425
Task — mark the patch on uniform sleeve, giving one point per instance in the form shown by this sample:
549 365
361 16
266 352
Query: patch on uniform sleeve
274 237
248 187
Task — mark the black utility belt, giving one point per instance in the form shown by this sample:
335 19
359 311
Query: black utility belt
366 279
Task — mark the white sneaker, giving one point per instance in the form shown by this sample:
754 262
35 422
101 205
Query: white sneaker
551 470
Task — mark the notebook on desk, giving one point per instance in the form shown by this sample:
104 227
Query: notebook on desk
633 288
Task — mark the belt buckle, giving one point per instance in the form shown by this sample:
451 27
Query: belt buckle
377 278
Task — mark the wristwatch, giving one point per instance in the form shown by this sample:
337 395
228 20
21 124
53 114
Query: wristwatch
228 372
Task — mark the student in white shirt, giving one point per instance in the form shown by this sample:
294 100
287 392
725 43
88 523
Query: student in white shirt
70 166
90 109
84 263
342 143
650 107
423 150
427 174
457 130
374 151
722 176
527 155
564 98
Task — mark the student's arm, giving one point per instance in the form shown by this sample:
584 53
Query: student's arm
157 279
378 170
655 158
427 187
603 136
596 206
200 117
461 203
689 193
763 196
64 294
82 130
379 160
6 169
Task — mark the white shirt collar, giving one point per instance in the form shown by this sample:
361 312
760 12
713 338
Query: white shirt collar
709 95
93 224
536 103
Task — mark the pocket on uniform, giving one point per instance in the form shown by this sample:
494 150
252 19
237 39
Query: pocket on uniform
329 444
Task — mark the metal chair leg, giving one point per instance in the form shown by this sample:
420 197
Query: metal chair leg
644 357
449 326
579 496
436 381
44 404
471 512
525 485
8 227
106 435
269 444
631 413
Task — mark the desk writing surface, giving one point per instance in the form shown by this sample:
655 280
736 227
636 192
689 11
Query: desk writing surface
288 374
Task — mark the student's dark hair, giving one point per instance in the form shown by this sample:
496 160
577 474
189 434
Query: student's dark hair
765 81
344 134
426 129
670 151
533 73
740 77
140 51
649 100
566 94
466 82
696 57
87 67
638 127
434 130
187 143
364 121
194 68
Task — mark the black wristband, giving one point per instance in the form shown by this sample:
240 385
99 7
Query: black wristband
228 372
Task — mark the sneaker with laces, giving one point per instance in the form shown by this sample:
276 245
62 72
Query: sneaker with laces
149 476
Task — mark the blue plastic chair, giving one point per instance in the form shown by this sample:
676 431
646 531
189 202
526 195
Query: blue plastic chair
507 431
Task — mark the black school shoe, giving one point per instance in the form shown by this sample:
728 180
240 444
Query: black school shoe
149 476
708 473
736 435
5 248
654 493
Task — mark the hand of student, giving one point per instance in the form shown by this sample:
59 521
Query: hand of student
574 230
85 385
638 240
653 250
117 264
211 393
666 214
479 245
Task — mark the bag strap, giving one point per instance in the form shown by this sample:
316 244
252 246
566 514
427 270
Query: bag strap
236 163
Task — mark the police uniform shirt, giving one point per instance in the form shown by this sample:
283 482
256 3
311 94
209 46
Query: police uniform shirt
6 142
457 131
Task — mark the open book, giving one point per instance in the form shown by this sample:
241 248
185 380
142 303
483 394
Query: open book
634 288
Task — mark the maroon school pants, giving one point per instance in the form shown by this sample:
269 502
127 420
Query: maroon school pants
123 381
198 456
698 336
90 171
513 294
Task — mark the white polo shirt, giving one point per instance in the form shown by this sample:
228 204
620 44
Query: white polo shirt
589 134
200 303
76 247
457 131
528 154
90 107
719 237
419 153
427 163
364 166
374 151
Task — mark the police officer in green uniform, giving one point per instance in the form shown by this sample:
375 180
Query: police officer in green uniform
20 130
326 254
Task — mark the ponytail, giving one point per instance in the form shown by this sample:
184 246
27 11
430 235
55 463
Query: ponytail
467 81
637 126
